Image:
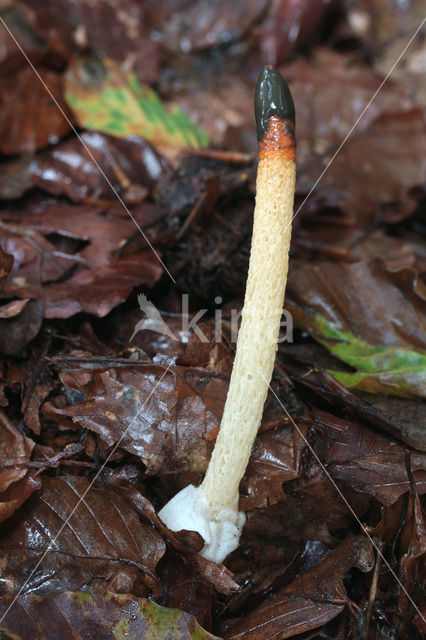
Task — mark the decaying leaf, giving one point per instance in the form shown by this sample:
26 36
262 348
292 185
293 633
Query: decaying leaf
170 420
288 26
118 32
413 551
185 543
19 329
111 616
200 25
114 102
19 22
6 263
373 173
15 178
17 493
401 418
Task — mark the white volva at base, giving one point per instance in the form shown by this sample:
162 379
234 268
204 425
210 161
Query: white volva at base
189 509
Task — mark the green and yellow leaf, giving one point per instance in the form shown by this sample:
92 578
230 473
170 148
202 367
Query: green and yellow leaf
106 98
395 370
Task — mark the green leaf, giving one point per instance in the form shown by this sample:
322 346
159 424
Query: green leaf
393 370
77 616
105 98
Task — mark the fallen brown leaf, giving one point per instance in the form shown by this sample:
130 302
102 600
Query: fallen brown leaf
131 165
310 600
184 28
84 237
103 545
25 128
69 615
72 26
17 481
366 460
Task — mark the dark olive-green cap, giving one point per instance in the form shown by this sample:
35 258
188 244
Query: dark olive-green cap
272 98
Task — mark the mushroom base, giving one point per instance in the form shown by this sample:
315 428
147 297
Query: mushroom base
189 510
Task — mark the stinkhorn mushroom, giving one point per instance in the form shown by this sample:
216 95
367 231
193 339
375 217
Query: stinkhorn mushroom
212 508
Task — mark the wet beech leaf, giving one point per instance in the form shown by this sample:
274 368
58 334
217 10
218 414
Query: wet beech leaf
186 544
401 418
12 309
74 615
276 458
99 290
170 432
330 449
17 493
27 39
376 304
18 331
373 173
193 26
174 429
413 550
287 26
103 544
114 102
15 177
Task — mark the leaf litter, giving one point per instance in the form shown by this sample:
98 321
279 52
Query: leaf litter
74 373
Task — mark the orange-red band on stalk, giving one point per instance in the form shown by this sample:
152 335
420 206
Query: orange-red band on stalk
278 140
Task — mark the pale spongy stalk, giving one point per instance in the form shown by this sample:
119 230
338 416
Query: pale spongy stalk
258 334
